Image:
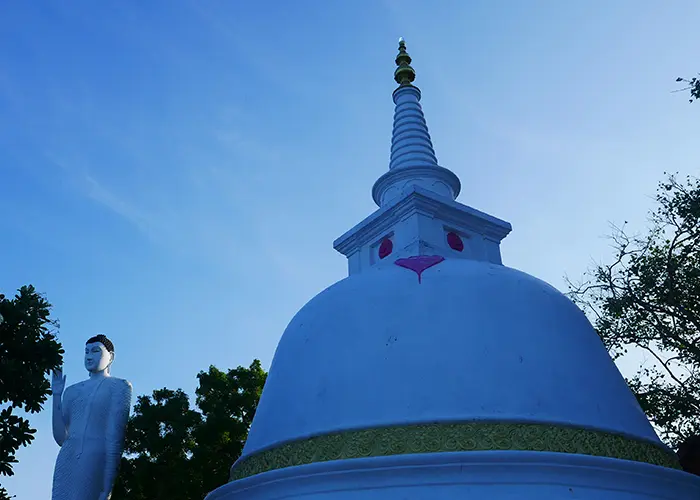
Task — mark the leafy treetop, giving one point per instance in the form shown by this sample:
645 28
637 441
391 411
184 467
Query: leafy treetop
648 299
28 351
174 451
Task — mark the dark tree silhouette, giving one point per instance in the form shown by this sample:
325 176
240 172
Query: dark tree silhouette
648 299
693 85
176 452
28 352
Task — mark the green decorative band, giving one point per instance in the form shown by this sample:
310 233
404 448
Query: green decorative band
453 437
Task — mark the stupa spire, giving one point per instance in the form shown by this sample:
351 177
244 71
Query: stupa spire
410 141
413 161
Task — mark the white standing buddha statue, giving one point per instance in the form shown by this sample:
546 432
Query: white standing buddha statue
89 420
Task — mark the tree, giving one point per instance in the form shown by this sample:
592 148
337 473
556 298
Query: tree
693 85
28 351
159 443
174 451
228 402
648 299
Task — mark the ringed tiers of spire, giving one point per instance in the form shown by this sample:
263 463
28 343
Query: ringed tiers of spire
413 161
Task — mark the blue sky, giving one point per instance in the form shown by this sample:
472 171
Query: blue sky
173 173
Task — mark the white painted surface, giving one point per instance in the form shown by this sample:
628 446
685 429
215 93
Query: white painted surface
90 419
473 341
470 475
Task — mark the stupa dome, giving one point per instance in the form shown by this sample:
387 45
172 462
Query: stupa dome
474 343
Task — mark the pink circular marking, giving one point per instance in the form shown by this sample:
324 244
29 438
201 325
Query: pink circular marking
385 248
455 241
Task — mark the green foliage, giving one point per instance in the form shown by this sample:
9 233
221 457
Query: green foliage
648 299
693 85
174 451
28 351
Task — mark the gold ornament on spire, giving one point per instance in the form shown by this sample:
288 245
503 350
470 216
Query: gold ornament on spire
404 74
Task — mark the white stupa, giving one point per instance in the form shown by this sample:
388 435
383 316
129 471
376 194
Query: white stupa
434 372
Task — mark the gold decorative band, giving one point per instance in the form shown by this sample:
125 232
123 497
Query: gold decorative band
452 437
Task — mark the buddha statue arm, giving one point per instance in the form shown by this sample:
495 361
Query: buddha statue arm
58 384
59 426
116 426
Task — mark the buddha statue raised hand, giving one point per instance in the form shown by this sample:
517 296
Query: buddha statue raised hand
89 420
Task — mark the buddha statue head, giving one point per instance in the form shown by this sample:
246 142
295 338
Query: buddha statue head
99 354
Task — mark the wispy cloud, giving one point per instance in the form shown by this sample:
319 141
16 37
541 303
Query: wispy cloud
263 51
137 215
248 147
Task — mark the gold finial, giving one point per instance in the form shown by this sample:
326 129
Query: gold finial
404 74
